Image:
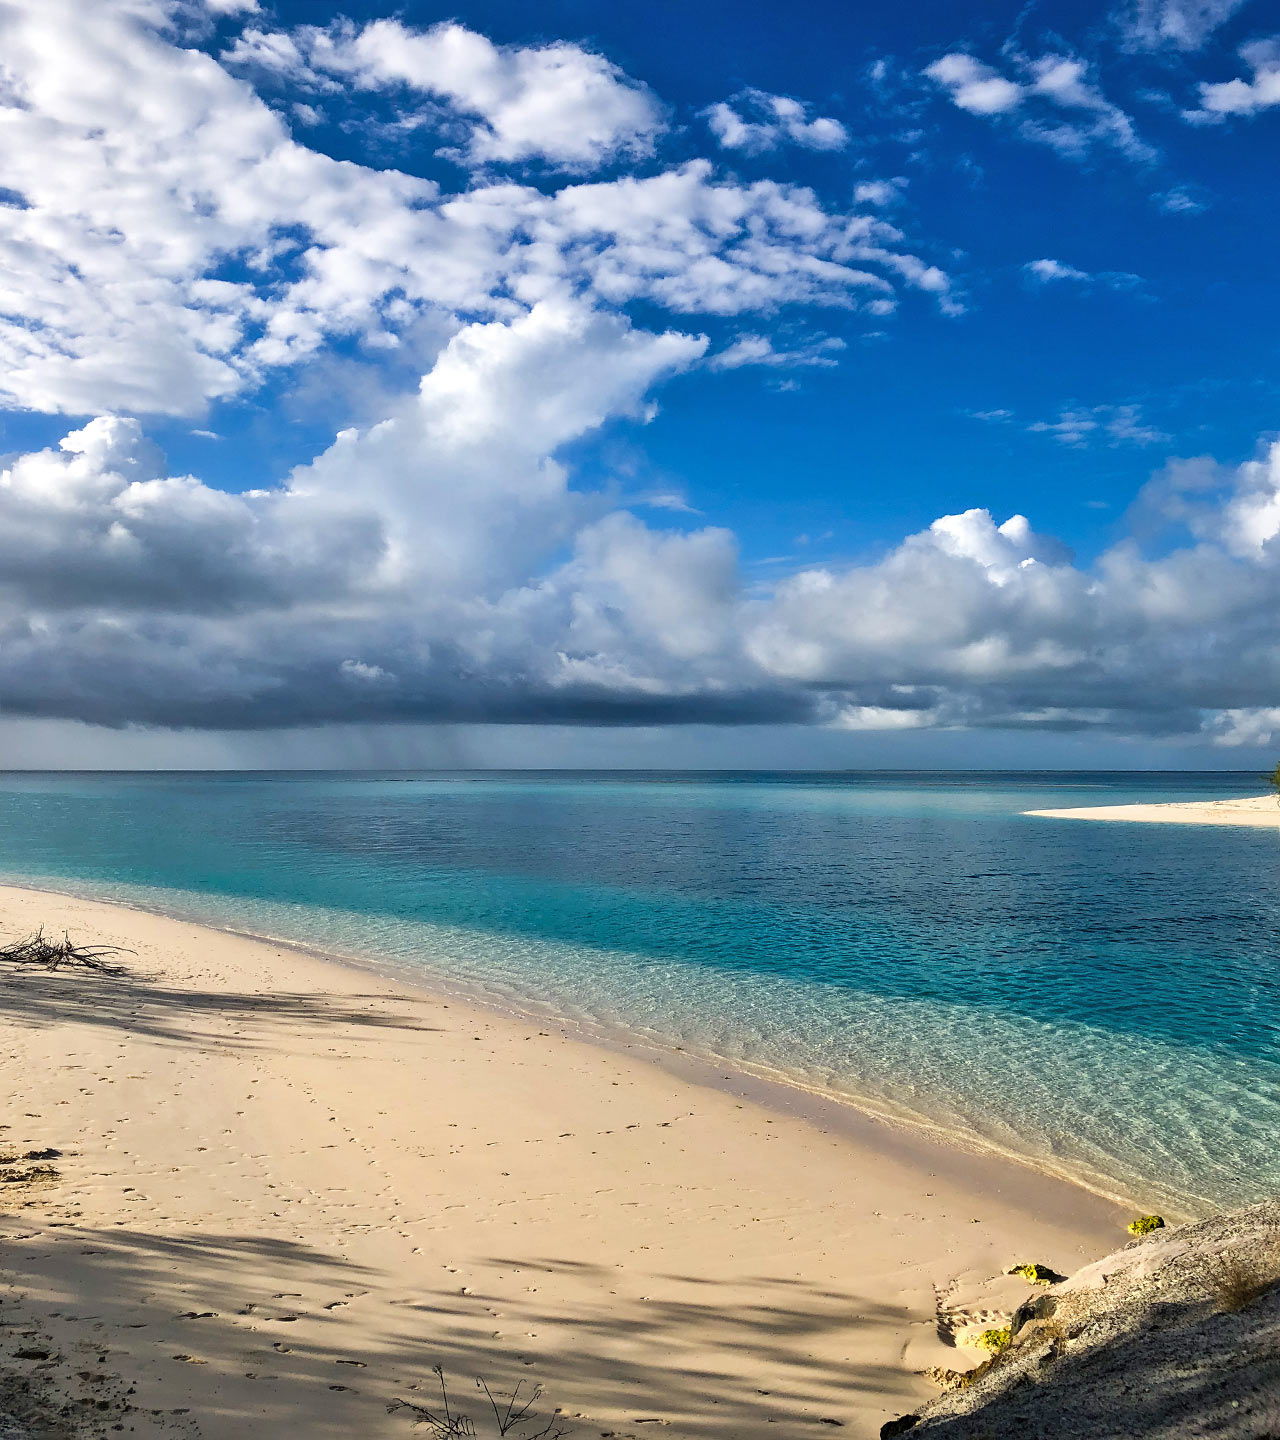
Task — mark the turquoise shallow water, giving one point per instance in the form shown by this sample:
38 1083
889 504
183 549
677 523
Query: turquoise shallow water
1102 998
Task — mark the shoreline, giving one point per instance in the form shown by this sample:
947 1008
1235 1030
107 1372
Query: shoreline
766 1085
274 1164
1256 811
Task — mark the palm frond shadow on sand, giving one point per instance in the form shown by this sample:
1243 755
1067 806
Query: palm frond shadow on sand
239 1299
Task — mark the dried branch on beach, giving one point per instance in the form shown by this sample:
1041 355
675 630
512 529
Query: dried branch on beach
41 950
512 1416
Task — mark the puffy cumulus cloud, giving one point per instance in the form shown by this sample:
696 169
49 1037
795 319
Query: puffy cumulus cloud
135 171
975 87
557 103
1054 97
1249 519
390 576
648 612
98 519
464 475
695 244
762 122
440 566
880 192
989 626
165 242
1252 726
1243 97
1174 24
455 494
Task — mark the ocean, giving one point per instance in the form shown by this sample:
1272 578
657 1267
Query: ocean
1102 999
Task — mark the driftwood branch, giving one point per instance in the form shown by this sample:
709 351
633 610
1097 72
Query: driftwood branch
47 953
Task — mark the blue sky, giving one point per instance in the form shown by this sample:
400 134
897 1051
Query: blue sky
663 340
887 438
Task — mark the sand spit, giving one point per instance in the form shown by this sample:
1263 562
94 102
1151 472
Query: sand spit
1257 810
286 1189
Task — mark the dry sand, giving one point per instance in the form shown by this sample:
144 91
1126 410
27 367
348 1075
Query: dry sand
288 1188
1258 810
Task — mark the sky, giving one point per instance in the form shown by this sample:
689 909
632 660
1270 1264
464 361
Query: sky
696 384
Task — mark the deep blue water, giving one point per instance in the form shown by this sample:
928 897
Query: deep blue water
1104 998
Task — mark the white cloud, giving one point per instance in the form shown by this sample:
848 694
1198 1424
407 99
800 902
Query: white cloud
362 674
1056 101
173 243
759 350
667 500
880 717
693 244
1111 424
168 244
463 476
1252 725
1179 201
1244 97
1249 518
557 102
763 122
1174 24
142 169
1048 272
879 192
975 87
390 570
98 517
272 50
416 571
1125 425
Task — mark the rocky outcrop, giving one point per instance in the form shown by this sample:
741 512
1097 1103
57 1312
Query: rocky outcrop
1175 1335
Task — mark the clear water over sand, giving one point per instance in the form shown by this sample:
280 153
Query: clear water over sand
1103 998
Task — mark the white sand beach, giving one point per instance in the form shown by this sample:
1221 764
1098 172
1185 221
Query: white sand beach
286 1189
1262 811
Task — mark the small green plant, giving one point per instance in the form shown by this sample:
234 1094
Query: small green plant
994 1340
1036 1274
1272 777
1145 1224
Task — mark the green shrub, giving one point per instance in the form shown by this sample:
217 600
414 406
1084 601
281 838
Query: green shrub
1145 1224
994 1340
1036 1274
